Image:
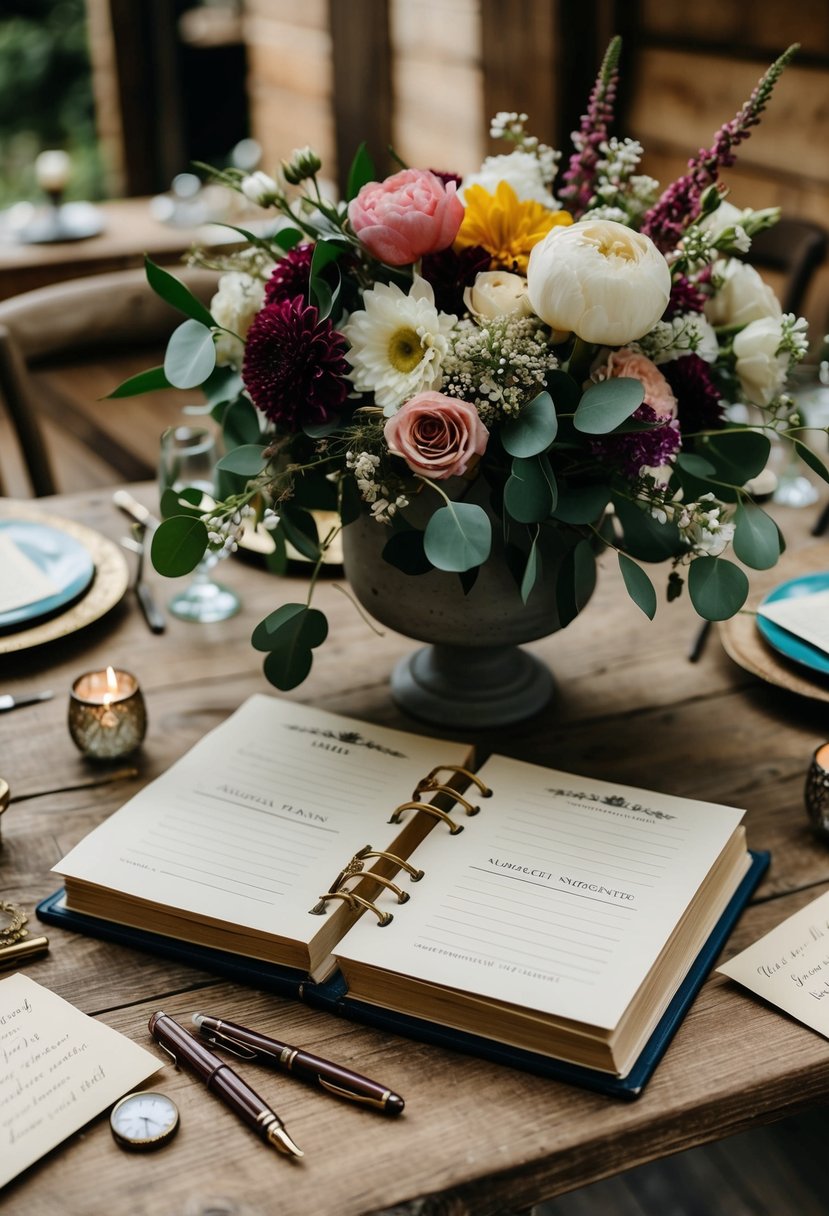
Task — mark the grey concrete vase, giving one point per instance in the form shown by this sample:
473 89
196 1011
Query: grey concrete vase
473 672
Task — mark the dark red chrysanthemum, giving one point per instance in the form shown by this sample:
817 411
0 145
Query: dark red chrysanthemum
294 367
632 451
449 273
291 275
698 399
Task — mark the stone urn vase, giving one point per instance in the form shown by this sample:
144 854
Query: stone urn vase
473 672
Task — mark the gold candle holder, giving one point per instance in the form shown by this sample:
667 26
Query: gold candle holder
107 715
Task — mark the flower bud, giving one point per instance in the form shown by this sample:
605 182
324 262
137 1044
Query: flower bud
260 189
304 163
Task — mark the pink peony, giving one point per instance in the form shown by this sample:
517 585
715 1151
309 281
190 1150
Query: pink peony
658 393
437 436
405 216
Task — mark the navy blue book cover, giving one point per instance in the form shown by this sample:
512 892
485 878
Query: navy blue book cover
332 996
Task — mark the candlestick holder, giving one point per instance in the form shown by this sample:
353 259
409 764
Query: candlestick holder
107 715
817 792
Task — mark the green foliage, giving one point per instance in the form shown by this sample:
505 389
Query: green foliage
458 537
171 289
240 424
190 356
300 530
756 537
178 545
290 635
144 382
811 459
607 404
247 460
644 537
533 430
530 495
717 587
581 504
576 580
361 172
532 570
406 552
639 586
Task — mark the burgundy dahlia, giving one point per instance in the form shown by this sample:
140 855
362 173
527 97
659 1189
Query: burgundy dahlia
294 366
632 451
685 297
449 273
699 404
291 275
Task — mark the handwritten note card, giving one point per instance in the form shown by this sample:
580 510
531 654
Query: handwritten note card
790 966
58 1069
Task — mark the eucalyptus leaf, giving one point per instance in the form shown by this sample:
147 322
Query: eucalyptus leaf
756 537
639 586
240 424
350 503
458 537
531 570
698 465
286 238
737 455
468 579
174 292
530 494
405 551
144 382
811 459
362 172
247 460
533 430
190 355
717 587
223 384
564 391
582 504
292 644
300 530
178 545
575 582
644 537
181 502
607 404
277 560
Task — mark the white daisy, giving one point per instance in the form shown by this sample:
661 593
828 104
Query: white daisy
397 343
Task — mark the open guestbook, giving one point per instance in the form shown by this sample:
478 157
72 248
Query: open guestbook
550 921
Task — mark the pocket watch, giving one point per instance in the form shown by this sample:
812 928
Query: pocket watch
144 1120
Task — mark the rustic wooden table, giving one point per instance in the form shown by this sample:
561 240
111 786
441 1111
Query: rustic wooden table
475 1138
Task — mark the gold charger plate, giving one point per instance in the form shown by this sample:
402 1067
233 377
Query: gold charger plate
744 644
106 590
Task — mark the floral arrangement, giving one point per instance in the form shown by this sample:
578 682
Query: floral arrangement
570 340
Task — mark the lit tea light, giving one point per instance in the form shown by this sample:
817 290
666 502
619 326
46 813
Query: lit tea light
53 170
107 716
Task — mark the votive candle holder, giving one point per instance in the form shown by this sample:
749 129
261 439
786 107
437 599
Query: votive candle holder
817 791
107 714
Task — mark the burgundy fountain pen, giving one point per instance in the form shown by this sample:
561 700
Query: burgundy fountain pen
251 1045
221 1080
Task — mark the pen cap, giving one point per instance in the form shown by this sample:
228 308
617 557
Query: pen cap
183 1046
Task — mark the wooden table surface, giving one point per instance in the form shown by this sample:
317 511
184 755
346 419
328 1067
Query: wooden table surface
475 1138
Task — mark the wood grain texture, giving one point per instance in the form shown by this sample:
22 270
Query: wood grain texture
476 1139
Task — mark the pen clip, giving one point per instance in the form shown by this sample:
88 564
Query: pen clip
235 1048
353 1096
170 1053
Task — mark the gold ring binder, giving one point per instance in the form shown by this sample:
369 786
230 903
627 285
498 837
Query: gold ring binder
402 896
414 874
383 918
454 828
434 788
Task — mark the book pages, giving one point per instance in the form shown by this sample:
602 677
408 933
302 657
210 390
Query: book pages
558 897
259 817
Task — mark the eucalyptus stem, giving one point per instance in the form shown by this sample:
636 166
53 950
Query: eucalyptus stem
581 356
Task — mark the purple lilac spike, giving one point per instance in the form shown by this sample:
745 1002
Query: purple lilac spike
633 451
580 177
699 404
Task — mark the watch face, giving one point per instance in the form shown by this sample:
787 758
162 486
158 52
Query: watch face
144 1120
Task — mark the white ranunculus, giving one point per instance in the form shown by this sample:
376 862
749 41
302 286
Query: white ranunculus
521 170
496 293
235 304
260 189
726 216
600 280
743 296
761 366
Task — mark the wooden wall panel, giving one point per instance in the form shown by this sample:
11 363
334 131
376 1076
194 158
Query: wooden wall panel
761 25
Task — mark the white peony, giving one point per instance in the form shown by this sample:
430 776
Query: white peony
397 343
762 366
235 304
600 280
743 296
521 170
496 293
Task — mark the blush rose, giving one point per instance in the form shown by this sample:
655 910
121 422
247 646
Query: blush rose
407 215
658 393
437 436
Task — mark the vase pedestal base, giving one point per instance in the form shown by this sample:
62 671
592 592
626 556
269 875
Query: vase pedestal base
469 686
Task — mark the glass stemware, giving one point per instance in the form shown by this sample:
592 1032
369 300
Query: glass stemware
187 460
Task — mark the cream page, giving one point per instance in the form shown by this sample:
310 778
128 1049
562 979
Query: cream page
806 616
58 1069
22 582
260 816
790 966
557 897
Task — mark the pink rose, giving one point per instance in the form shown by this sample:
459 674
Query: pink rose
658 394
407 215
437 436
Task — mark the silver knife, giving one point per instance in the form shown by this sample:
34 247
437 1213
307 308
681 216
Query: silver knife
152 613
135 510
7 701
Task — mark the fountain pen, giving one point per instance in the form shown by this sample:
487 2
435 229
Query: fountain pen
221 1080
251 1045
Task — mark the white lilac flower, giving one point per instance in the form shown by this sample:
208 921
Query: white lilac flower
397 343
685 334
520 169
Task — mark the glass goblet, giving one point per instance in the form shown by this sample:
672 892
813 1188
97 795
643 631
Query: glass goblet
187 461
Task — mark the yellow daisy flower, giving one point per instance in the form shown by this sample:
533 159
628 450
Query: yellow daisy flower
506 227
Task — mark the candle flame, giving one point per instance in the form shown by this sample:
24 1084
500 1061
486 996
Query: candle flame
112 686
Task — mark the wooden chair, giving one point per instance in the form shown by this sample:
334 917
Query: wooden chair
102 312
793 248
